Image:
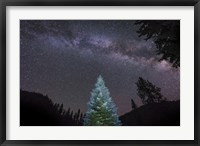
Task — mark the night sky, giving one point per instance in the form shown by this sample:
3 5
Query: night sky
62 59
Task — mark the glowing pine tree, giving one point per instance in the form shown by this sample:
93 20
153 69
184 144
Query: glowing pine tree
101 109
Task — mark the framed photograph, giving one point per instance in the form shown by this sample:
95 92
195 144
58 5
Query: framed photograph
103 72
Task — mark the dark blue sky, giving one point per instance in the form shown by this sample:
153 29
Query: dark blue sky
64 58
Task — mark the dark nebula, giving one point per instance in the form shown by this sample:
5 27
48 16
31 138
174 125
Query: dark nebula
64 58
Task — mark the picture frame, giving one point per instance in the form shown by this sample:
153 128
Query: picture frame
102 3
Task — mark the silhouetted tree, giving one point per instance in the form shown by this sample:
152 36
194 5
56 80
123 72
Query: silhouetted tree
166 36
133 105
75 117
64 112
101 109
81 117
71 115
68 111
56 105
60 109
148 92
78 114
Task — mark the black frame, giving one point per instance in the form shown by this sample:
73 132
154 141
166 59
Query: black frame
4 3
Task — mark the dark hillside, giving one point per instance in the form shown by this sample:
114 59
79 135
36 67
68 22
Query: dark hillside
155 114
38 110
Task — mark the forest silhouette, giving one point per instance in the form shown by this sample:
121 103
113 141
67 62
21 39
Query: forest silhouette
38 110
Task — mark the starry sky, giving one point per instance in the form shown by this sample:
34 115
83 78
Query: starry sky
63 58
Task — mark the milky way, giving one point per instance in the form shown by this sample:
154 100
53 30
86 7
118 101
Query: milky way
64 58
